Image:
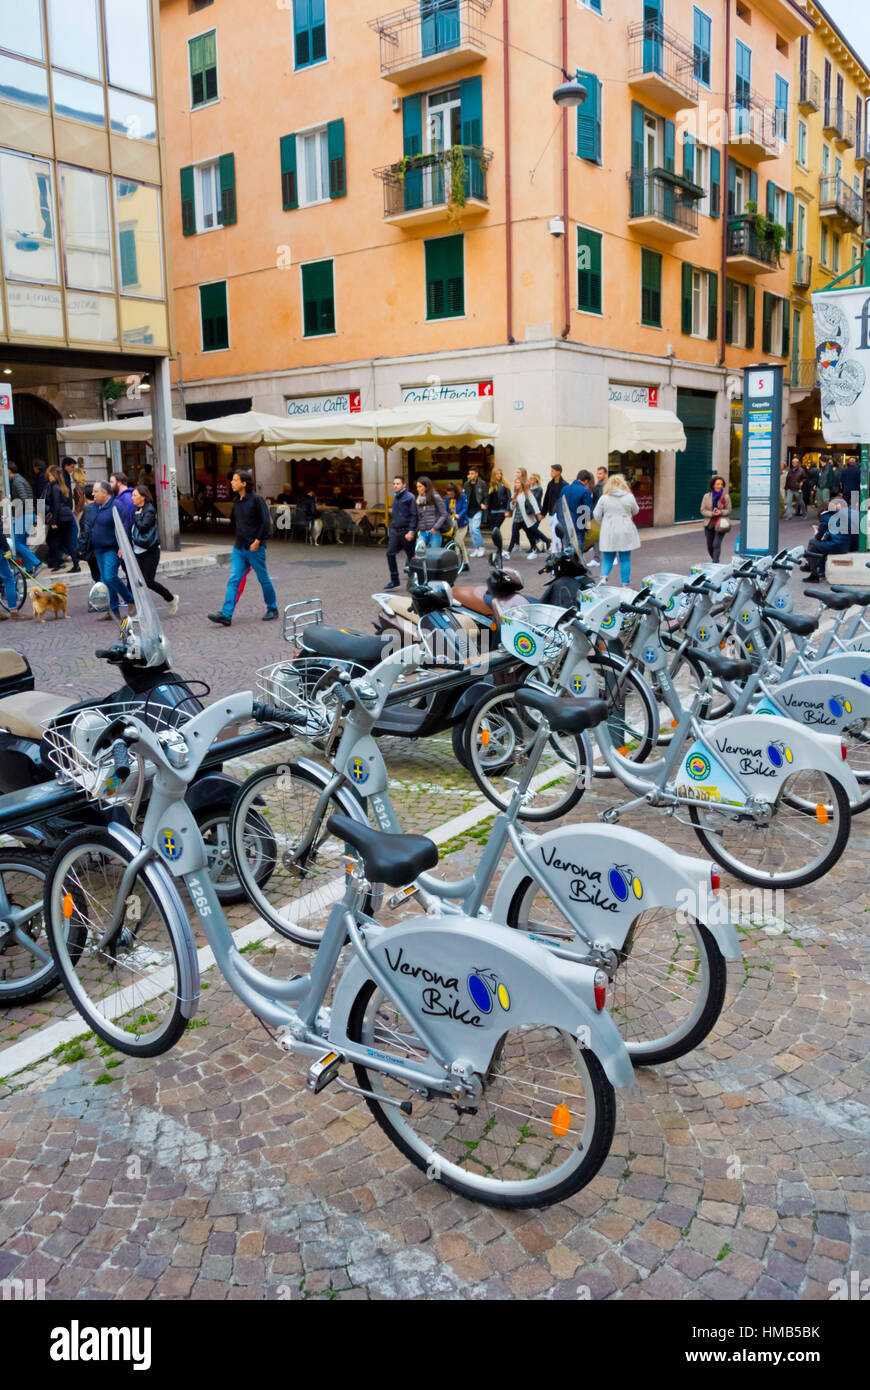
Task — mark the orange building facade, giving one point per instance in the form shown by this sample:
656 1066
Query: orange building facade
366 207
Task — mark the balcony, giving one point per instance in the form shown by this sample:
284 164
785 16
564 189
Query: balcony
746 250
802 375
831 122
662 65
430 37
809 93
839 203
803 271
862 150
436 187
663 207
847 135
756 127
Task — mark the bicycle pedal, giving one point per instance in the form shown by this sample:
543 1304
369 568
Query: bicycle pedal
324 1070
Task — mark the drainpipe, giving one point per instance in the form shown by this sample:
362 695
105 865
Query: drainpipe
723 186
566 249
508 212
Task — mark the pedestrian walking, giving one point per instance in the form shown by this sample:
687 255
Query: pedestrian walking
39 478
86 542
23 518
525 516
601 476
827 485
457 510
576 506
850 480
537 491
716 511
499 500
253 526
104 541
146 543
432 519
60 520
555 487
614 510
808 487
477 497
402 530
794 497
119 486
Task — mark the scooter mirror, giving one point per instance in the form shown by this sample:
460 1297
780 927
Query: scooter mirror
497 541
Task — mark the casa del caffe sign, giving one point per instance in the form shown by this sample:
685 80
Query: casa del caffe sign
309 407
633 395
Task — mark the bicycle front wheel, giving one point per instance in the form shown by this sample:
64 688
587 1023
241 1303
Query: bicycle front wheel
498 738
801 838
27 970
541 1130
129 989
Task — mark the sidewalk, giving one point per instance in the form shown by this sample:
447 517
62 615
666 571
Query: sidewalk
193 556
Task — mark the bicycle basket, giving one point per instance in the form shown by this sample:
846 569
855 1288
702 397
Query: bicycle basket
281 686
70 744
530 632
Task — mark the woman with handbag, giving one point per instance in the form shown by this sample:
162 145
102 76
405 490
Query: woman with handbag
499 499
716 511
63 532
526 515
432 517
457 508
146 543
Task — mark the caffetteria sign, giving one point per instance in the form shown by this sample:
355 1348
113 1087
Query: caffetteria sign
446 391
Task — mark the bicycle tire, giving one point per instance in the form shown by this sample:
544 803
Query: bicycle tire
26 989
214 827
20 592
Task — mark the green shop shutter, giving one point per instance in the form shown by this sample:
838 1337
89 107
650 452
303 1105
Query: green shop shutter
445 280
686 324
650 287
412 137
789 222
771 200
337 163
471 111
729 311
188 202
766 315
670 145
213 312
227 170
318 299
753 188
689 158
289 186
589 119
750 316
589 276
786 328
715 183
712 304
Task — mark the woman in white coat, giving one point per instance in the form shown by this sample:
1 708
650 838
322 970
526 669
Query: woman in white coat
614 511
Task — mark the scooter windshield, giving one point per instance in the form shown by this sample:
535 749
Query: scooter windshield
154 647
571 540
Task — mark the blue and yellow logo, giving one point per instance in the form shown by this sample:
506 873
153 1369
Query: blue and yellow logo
698 767
610 621
650 656
525 645
577 685
703 633
357 771
669 606
778 754
624 882
839 707
170 845
746 616
485 988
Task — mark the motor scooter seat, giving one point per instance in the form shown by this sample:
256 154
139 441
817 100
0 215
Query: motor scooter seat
25 715
345 646
475 597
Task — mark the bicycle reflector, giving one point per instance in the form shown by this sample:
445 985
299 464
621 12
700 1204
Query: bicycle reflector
844 751
715 877
560 1121
68 905
600 987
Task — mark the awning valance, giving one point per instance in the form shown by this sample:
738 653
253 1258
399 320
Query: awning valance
636 428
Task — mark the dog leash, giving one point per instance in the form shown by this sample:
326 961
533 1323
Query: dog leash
29 577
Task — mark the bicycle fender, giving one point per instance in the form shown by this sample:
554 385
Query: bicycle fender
161 883
858 644
854 666
217 789
472 981
762 750
824 703
612 875
469 697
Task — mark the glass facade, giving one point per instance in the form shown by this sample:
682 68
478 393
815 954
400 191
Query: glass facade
82 256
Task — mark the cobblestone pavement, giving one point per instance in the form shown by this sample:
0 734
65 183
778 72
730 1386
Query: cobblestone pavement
737 1172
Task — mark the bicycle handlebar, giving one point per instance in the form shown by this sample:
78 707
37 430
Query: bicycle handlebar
269 714
121 759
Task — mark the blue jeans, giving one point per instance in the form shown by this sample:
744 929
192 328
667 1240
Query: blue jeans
7 576
109 563
241 562
431 539
474 523
23 551
608 560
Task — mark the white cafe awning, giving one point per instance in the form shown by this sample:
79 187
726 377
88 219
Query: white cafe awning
635 428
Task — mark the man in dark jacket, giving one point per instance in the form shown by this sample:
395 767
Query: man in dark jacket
104 542
477 492
837 533
850 479
122 492
402 530
794 482
555 487
253 526
23 517
576 499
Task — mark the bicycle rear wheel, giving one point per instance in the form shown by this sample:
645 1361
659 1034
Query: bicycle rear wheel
27 970
498 737
129 991
20 591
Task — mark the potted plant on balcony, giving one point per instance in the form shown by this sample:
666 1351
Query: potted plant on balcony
454 171
767 230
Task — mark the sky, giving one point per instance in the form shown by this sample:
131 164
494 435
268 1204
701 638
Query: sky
852 18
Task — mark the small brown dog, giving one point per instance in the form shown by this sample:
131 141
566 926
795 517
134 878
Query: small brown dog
44 602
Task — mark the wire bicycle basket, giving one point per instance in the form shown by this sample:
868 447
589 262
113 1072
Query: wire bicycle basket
280 685
531 632
70 747
298 616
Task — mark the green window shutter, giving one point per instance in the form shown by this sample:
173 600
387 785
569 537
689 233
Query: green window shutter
789 222
471 110
786 328
589 270
729 311
750 316
129 261
445 277
227 173
202 53
686 321
712 304
337 162
213 313
289 186
771 200
318 299
412 145
589 119
732 187
309 31
650 288
688 158
188 201
670 143
715 183
636 138
753 187
766 315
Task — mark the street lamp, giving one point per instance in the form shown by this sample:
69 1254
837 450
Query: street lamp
571 92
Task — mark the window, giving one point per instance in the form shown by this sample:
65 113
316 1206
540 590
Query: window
87 238
802 143
650 288
203 69
207 185
74 31
781 108
23 83
592 5
78 99
781 46
736 302
137 211
775 326
213 316
27 214
801 229
589 270
129 262
309 32
318 299
313 167
743 80
835 253
702 48
128 45
589 119
445 277
699 302
741 185
823 246
701 176
826 159
743 12
21 27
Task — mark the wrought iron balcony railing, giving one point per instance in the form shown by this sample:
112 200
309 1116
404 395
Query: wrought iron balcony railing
660 51
744 240
418 33
809 92
755 121
835 196
803 271
802 375
428 181
656 195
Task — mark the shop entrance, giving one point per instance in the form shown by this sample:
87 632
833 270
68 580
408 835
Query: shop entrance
33 436
639 471
697 410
